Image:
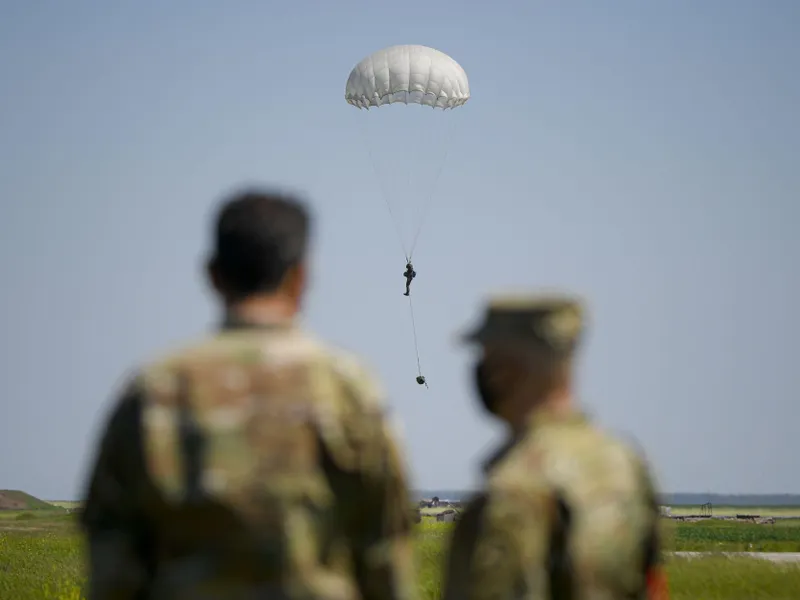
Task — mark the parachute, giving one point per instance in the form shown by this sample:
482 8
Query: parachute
409 75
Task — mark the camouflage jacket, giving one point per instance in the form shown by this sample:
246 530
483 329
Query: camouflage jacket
568 512
256 463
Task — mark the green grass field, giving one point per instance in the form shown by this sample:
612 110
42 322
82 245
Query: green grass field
41 557
65 503
729 511
731 536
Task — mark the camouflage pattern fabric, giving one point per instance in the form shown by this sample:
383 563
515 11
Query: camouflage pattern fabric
568 512
256 463
552 321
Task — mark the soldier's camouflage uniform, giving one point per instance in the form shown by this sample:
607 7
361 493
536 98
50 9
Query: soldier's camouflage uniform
567 511
256 463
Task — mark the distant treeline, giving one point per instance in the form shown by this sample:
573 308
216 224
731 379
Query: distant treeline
676 499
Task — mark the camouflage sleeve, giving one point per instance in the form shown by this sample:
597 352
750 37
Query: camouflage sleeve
111 519
511 546
380 504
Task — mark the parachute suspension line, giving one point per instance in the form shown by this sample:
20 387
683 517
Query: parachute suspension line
383 189
414 329
430 196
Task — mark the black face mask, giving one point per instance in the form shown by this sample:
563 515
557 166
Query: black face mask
488 400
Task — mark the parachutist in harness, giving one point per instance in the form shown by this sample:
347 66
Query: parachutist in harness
421 380
409 274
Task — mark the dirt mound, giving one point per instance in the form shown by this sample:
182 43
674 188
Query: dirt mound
16 500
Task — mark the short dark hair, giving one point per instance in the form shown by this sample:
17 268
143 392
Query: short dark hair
259 236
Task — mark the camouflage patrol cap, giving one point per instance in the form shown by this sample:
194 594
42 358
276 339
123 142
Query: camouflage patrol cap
555 321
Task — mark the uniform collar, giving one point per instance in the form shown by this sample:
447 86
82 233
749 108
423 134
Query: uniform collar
234 321
542 417
499 454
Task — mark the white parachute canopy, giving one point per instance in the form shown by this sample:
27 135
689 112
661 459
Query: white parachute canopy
408 167
408 74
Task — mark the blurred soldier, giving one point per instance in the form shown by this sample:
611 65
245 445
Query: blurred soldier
568 512
254 463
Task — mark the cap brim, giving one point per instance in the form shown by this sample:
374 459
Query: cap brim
472 336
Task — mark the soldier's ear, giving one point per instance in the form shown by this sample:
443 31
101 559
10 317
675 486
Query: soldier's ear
294 282
297 278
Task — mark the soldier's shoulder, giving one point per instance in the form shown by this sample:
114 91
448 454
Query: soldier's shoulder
172 359
553 445
612 445
335 374
636 454
350 366
517 469
596 454
572 458
288 347
202 353
581 434
518 484
355 377
620 444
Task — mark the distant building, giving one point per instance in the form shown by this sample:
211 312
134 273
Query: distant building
432 503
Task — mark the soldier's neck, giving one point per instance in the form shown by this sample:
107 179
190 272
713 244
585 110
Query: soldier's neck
262 309
558 403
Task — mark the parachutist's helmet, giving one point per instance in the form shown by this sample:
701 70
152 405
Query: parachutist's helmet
409 266
421 380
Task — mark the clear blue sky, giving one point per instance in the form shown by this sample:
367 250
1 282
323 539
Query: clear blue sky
644 154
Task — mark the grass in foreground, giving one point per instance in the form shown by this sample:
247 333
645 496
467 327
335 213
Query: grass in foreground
731 536
42 558
732 579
